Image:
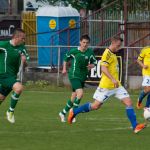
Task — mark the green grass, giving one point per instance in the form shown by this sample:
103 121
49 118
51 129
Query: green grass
38 126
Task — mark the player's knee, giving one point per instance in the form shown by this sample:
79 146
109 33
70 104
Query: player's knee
2 97
95 106
73 96
128 102
79 95
18 88
146 89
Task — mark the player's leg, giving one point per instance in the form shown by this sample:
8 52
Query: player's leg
83 109
130 111
67 107
17 90
100 96
140 99
123 95
3 93
132 116
76 96
70 102
147 91
2 98
78 85
148 101
79 95
144 92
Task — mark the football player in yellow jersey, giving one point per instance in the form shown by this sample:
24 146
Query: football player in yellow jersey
109 85
144 61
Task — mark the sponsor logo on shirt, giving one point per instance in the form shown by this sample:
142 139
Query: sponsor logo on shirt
86 57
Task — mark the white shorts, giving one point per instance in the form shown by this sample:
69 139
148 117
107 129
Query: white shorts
102 94
146 81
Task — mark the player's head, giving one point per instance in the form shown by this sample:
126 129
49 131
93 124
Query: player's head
116 43
18 36
84 41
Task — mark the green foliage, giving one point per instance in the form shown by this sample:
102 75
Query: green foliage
97 4
79 4
39 83
43 85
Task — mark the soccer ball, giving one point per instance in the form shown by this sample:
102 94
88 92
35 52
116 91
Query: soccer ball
147 114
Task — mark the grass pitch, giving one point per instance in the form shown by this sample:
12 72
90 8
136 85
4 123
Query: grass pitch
38 126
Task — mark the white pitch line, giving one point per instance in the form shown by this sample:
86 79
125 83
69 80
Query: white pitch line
45 92
72 131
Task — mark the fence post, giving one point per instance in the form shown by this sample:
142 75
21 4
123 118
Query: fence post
58 69
90 23
126 70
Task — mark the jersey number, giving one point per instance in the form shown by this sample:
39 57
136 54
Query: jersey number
147 81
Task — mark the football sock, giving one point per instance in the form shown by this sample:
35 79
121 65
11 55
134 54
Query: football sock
131 116
76 102
67 107
13 101
141 96
148 101
82 109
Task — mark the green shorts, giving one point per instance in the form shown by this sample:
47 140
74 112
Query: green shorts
76 84
6 84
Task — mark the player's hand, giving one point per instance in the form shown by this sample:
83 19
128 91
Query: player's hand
116 84
90 66
64 71
145 67
23 59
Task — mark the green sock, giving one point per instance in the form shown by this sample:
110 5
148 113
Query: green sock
13 101
76 103
67 107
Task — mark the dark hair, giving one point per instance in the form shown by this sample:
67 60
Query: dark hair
17 31
85 36
116 38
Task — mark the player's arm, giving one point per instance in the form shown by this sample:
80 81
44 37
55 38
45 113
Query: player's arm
140 60
105 70
64 71
24 56
23 60
141 64
66 59
92 62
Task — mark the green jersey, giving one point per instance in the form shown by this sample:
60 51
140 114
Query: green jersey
79 62
10 58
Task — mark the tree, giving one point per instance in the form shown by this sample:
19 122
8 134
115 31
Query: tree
97 4
79 4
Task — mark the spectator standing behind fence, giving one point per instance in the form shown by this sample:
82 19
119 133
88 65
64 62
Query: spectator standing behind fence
12 52
144 61
110 85
82 60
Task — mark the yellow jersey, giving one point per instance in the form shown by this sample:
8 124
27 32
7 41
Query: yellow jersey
144 56
109 59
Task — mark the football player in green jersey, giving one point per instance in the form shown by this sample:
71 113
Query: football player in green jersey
12 52
82 60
